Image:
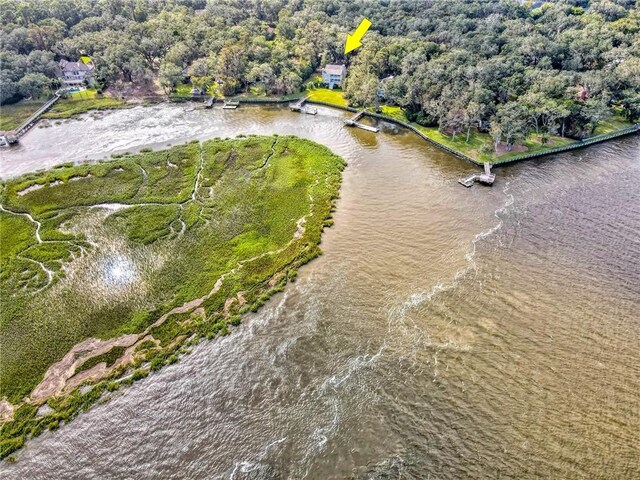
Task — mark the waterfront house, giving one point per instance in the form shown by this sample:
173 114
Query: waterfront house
334 75
75 73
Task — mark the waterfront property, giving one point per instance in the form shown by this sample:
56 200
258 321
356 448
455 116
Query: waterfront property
477 147
75 73
334 75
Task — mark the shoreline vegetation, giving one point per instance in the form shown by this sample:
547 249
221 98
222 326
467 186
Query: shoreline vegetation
473 148
12 116
117 268
82 102
492 81
470 150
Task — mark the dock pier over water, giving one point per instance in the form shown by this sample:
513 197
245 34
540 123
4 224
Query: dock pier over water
486 177
300 106
7 138
231 104
353 122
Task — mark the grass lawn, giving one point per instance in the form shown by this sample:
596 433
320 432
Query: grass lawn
480 143
191 214
393 112
81 102
335 97
182 90
615 122
14 115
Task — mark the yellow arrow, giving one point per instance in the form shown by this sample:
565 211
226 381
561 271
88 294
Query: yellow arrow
353 41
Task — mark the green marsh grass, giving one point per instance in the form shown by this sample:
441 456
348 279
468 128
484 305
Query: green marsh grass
129 239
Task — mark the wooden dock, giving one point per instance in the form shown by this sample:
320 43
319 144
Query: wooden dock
231 104
209 103
486 177
353 122
7 138
299 106
33 119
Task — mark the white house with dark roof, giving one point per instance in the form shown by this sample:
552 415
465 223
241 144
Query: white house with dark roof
334 75
74 73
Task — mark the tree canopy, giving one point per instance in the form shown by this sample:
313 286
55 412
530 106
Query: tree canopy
554 67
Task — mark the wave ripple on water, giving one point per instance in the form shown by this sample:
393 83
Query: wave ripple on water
415 347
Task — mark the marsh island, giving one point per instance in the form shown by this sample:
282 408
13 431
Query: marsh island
113 269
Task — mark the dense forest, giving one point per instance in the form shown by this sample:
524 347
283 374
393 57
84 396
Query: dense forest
504 67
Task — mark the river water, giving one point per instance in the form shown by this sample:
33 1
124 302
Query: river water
446 333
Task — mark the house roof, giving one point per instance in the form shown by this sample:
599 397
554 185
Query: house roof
335 69
75 66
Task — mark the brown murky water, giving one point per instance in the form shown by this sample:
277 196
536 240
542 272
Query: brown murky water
445 333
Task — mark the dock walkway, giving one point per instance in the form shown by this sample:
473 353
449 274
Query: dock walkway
297 106
353 122
7 138
300 106
31 121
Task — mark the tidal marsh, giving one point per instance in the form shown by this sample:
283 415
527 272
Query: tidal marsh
207 231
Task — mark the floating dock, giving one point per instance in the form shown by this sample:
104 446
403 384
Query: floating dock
353 122
231 105
486 177
299 105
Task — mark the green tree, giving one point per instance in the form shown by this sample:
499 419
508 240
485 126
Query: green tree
511 119
361 87
169 76
33 85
